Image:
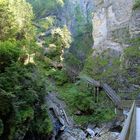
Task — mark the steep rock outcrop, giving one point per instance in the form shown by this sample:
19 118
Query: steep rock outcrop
115 23
112 23
76 14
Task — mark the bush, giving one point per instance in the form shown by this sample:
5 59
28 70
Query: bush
80 100
131 63
13 19
22 92
9 52
41 7
102 67
72 66
59 76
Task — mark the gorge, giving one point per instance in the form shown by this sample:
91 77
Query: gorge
65 65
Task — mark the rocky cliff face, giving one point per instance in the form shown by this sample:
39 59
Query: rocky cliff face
114 22
76 14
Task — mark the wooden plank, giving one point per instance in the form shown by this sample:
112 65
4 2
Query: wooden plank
108 90
90 80
127 129
112 95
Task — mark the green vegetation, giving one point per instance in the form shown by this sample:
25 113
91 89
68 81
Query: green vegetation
59 40
120 73
28 72
82 42
59 76
78 97
13 15
9 52
82 106
22 82
136 5
121 35
21 89
80 49
131 64
20 92
72 65
46 22
45 7
103 67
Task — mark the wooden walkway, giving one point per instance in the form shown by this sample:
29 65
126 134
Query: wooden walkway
112 95
131 129
108 90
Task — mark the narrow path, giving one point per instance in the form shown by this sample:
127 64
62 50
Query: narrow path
108 90
112 95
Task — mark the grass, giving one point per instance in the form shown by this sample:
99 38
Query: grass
79 100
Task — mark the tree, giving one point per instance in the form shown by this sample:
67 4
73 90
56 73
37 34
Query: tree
45 7
15 17
8 25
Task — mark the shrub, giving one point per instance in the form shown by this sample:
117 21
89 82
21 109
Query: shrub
22 94
9 52
80 100
131 61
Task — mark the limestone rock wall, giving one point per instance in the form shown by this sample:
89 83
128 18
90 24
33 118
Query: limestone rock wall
114 22
76 14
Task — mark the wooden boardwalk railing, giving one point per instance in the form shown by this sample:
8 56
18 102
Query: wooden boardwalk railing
112 95
108 90
131 129
128 131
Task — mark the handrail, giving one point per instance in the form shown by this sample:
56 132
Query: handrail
109 91
129 126
90 80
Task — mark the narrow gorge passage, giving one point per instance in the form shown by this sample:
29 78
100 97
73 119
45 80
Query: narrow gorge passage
69 69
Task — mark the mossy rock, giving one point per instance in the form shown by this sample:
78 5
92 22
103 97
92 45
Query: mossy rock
120 35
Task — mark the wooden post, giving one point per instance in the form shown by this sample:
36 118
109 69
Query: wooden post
97 93
93 92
